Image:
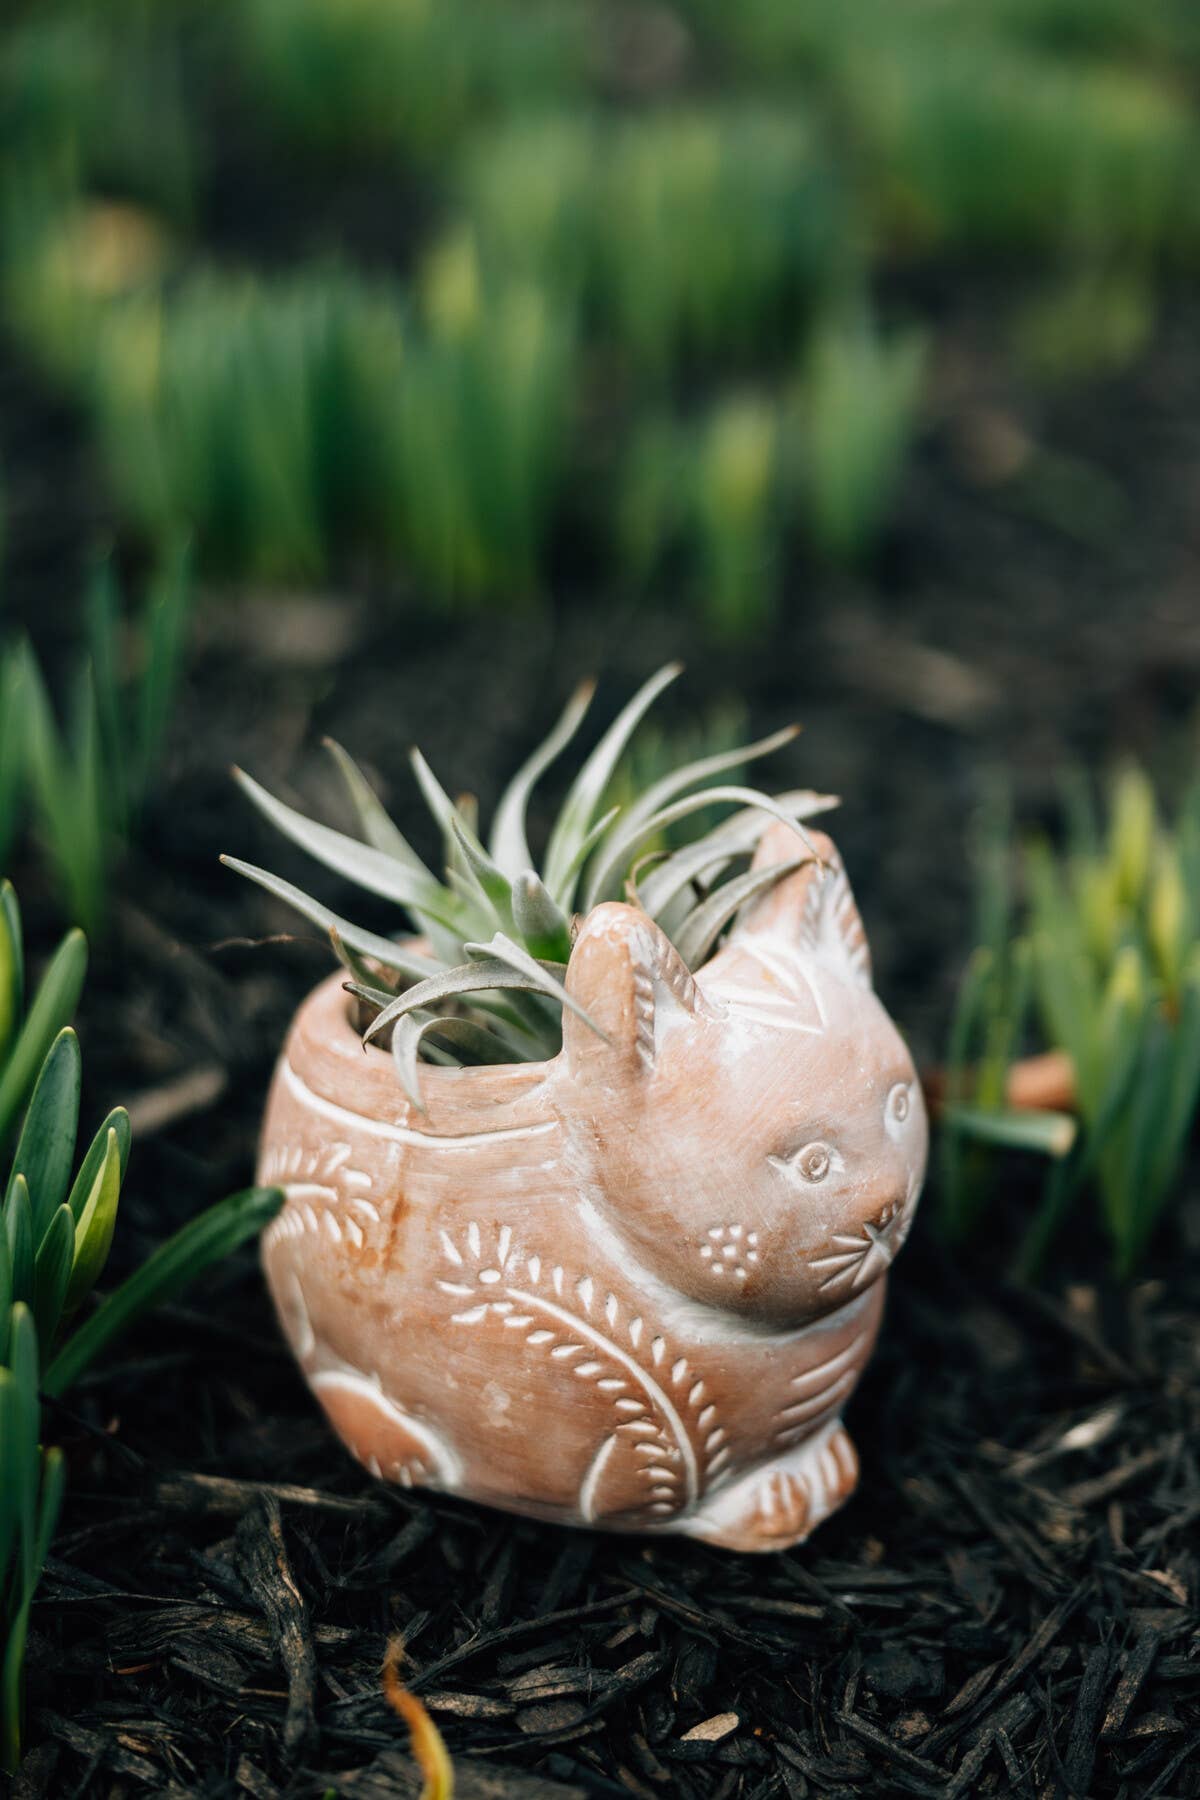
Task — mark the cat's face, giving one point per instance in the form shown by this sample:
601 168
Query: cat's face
761 1133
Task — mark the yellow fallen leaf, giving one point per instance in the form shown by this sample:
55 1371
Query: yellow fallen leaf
427 1744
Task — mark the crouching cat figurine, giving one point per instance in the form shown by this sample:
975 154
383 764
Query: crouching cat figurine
633 1287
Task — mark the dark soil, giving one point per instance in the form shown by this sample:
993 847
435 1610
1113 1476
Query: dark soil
1009 1605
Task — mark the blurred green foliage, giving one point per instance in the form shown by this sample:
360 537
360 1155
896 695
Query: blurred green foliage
624 280
82 773
1100 961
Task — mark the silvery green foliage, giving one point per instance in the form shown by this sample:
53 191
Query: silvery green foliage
482 979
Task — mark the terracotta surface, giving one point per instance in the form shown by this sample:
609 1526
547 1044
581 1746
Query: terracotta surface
633 1287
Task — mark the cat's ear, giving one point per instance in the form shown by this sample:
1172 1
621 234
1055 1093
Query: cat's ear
814 908
631 981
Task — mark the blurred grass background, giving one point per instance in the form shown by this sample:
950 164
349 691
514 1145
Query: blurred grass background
491 295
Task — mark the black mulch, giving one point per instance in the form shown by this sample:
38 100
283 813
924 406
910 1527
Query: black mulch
1009 1605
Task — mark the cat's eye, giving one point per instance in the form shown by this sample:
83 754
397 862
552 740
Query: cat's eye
814 1161
899 1102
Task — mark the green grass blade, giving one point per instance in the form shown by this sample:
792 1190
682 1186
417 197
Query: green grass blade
1015 1128
46 1147
216 1234
12 970
94 1224
52 1274
53 1006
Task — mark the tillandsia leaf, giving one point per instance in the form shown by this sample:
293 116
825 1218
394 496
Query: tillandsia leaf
717 796
53 1005
542 978
358 862
705 923
377 826
52 1274
611 864
12 969
481 1047
210 1238
1015 1128
542 927
356 965
509 845
452 820
564 894
449 984
493 884
591 783
46 1147
367 943
94 1224
733 837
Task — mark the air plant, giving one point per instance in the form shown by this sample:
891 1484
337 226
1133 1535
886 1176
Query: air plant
483 979
56 1229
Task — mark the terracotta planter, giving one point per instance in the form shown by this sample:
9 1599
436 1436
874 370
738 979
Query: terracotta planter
632 1287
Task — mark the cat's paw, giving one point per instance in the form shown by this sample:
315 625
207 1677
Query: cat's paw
781 1504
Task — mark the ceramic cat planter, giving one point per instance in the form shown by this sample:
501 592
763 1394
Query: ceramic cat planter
633 1287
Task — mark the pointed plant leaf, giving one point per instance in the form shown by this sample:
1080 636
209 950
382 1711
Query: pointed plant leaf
53 1005
216 1234
1015 1128
714 796
18 1231
12 970
609 867
509 844
368 943
482 1046
360 863
377 826
539 978
541 926
564 894
97 1154
52 1274
453 821
492 883
46 1147
736 836
591 783
449 984
93 1233
705 923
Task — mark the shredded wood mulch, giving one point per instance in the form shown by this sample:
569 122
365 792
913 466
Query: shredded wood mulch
1009 1605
